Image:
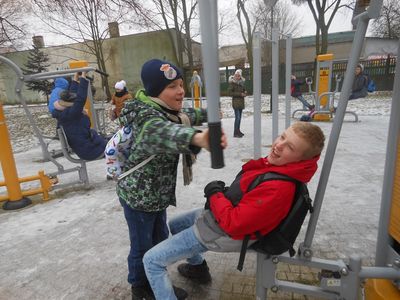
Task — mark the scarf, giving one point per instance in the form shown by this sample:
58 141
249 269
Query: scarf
180 118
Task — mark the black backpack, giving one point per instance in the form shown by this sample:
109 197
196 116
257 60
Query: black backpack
282 238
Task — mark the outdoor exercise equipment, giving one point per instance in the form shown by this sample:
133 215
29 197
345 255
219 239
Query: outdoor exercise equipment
209 51
309 82
324 99
345 279
15 197
195 86
47 155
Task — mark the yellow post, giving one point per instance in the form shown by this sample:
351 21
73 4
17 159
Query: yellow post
75 64
324 73
196 84
9 168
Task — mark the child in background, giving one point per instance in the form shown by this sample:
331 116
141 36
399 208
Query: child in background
296 93
120 96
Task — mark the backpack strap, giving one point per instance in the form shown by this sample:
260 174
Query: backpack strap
139 165
243 251
262 178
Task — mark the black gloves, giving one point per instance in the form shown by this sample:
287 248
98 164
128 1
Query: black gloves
212 188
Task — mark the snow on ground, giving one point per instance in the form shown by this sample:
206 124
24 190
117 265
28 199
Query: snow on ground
81 234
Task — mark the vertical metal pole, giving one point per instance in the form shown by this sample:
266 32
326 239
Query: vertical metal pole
257 93
209 51
393 141
337 124
261 291
275 82
287 82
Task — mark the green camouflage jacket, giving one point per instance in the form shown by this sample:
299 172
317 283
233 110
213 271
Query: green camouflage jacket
152 187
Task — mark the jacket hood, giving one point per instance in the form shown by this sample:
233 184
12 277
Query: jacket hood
240 81
131 108
61 83
302 170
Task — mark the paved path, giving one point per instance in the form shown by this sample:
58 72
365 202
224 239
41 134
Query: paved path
75 246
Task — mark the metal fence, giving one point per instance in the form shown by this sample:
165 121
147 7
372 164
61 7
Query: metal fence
380 70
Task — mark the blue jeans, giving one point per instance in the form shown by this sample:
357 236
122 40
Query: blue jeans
146 229
238 119
182 244
304 101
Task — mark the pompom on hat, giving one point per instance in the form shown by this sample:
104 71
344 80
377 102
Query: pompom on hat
120 85
157 74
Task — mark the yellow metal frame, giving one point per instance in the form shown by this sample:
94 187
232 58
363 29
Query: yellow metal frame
394 224
11 180
324 77
381 289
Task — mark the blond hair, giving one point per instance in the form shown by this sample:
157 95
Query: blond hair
313 135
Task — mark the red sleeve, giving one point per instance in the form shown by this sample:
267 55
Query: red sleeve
262 209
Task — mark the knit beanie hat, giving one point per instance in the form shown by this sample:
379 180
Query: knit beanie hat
119 85
157 74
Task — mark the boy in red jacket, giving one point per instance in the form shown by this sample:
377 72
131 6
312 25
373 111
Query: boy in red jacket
223 226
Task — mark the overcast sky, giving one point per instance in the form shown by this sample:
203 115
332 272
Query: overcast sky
342 22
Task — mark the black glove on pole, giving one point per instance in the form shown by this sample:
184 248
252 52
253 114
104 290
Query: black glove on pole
212 188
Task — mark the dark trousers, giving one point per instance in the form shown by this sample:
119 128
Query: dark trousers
238 119
146 229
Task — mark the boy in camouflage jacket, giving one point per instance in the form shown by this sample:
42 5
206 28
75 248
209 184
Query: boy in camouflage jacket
159 127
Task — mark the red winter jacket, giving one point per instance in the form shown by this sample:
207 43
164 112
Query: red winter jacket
264 207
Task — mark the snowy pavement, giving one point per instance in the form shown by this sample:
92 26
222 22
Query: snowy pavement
75 245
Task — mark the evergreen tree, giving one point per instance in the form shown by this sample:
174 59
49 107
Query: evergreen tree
37 63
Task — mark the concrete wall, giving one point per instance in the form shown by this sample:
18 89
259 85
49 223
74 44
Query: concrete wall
124 58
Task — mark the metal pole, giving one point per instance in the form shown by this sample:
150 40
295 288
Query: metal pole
338 121
209 50
389 174
288 97
275 82
257 93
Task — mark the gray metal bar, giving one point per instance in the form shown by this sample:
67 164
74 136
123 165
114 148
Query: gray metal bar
209 33
275 83
209 46
304 289
389 173
337 124
269 277
257 94
56 74
288 97
379 272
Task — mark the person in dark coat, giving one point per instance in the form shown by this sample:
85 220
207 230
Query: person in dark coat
70 114
238 92
296 92
360 84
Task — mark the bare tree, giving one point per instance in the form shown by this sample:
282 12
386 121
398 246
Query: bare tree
82 21
13 23
177 15
323 12
255 15
283 18
388 24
